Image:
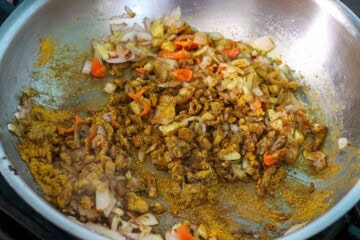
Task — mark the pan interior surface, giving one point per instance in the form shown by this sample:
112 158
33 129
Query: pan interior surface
317 38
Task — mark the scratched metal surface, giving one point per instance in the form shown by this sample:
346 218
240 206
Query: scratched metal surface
317 37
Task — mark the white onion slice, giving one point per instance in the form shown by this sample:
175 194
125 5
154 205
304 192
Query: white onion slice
152 237
13 128
105 231
117 60
264 43
147 24
115 27
110 88
171 235
294 228
87 67
130 12
201 51
112 204
234 128
143 37
102 196
342 143
257 91
206 61
147 219
215 36
200 38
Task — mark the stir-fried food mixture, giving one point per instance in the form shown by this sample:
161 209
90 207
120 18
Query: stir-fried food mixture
200 107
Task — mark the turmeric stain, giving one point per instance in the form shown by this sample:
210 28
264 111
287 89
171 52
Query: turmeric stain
46 51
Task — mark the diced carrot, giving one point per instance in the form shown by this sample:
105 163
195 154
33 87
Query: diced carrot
135 96
211 68
231 42
90 137
281 109
146 110
232 53
183 75
221 76
97 69
186 44
270 159
184 233
140 70
220 68
198 60
181 54
257 103
274 158
286 127
77 123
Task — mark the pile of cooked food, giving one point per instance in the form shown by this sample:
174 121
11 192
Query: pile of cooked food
200 107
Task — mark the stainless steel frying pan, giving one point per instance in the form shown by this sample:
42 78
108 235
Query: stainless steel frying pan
320 38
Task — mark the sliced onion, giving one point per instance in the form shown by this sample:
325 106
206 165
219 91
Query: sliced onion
151 237
205 62
172 64
257 91
125 228
342 143
264 43
87 67
141 155
110 88
117 60
102 196
130 12
112 54
112 203
24 112
170 84
210 81
143 37
171 235
234 128
147 219
116 27
136 27
201 51
105 231
147 24
115 223
294 228
118 211
107 116
215 36
289 107
200 38
13 128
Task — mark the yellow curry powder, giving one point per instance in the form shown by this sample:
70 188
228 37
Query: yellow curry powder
46 51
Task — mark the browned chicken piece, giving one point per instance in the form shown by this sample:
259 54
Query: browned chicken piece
186 134
265 143
135 203
165 111
158 208
319 130
318 158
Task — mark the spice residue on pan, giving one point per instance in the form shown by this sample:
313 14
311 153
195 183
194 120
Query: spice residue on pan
46 51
